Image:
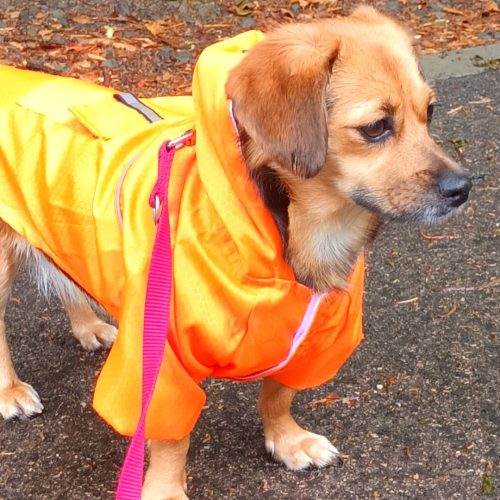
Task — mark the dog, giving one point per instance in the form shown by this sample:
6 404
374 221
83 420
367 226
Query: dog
332 121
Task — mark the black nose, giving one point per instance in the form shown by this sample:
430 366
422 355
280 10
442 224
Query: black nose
455 188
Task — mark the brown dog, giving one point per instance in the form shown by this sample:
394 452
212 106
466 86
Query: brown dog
333 118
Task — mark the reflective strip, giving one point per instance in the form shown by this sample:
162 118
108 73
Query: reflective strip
297 340
118 192
133 102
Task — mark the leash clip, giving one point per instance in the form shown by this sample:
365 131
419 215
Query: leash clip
186 139
157 210
168 148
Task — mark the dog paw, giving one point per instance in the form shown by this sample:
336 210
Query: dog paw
95 335
299 449
19 400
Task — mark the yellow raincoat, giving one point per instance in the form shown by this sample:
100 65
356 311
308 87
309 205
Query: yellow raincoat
64 146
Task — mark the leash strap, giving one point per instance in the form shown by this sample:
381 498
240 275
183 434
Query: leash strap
156 320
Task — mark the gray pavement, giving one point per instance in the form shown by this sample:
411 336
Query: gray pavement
426 421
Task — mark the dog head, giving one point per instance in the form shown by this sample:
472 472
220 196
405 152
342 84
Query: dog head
343 101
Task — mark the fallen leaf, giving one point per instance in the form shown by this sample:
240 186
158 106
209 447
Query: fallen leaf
329 399
81 19
349 402
245 8
217 26
96 57
440 236
451 10
493 283
491 6
166 76
459 145
481 62
483 100
448 312
154 27
408 301
486 483
389 381
324 2
454 110
18 46
125 46
287 12
45 35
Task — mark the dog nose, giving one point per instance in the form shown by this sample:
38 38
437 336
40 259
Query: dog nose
455 188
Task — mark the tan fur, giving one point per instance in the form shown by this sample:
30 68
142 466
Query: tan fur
301 98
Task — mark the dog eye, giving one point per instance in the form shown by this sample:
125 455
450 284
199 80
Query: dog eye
377 131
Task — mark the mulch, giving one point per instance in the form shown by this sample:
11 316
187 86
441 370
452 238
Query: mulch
152 51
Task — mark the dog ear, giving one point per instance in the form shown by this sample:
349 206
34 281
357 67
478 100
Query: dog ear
368 13
279 94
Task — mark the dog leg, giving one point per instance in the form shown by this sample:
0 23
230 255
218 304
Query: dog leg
16 397
88 329
285 439
166 474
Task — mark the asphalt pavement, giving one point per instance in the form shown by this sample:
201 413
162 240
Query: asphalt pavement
418 414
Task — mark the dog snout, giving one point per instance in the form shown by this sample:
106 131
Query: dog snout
454 187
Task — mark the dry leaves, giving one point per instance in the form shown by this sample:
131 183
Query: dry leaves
389 382
448 311
450 10
126 52
491 7
245 8
331 399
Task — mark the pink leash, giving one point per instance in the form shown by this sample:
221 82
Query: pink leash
156 318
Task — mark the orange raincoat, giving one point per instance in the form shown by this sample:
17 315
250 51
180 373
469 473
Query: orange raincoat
73 161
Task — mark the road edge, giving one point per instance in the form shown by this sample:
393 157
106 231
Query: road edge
463 62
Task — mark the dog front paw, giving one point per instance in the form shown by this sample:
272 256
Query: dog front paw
19 400
94 335
299 449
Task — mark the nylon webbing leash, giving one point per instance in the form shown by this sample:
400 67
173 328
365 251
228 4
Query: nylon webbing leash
156 318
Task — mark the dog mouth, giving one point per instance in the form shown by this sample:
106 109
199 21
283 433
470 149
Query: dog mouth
431 208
